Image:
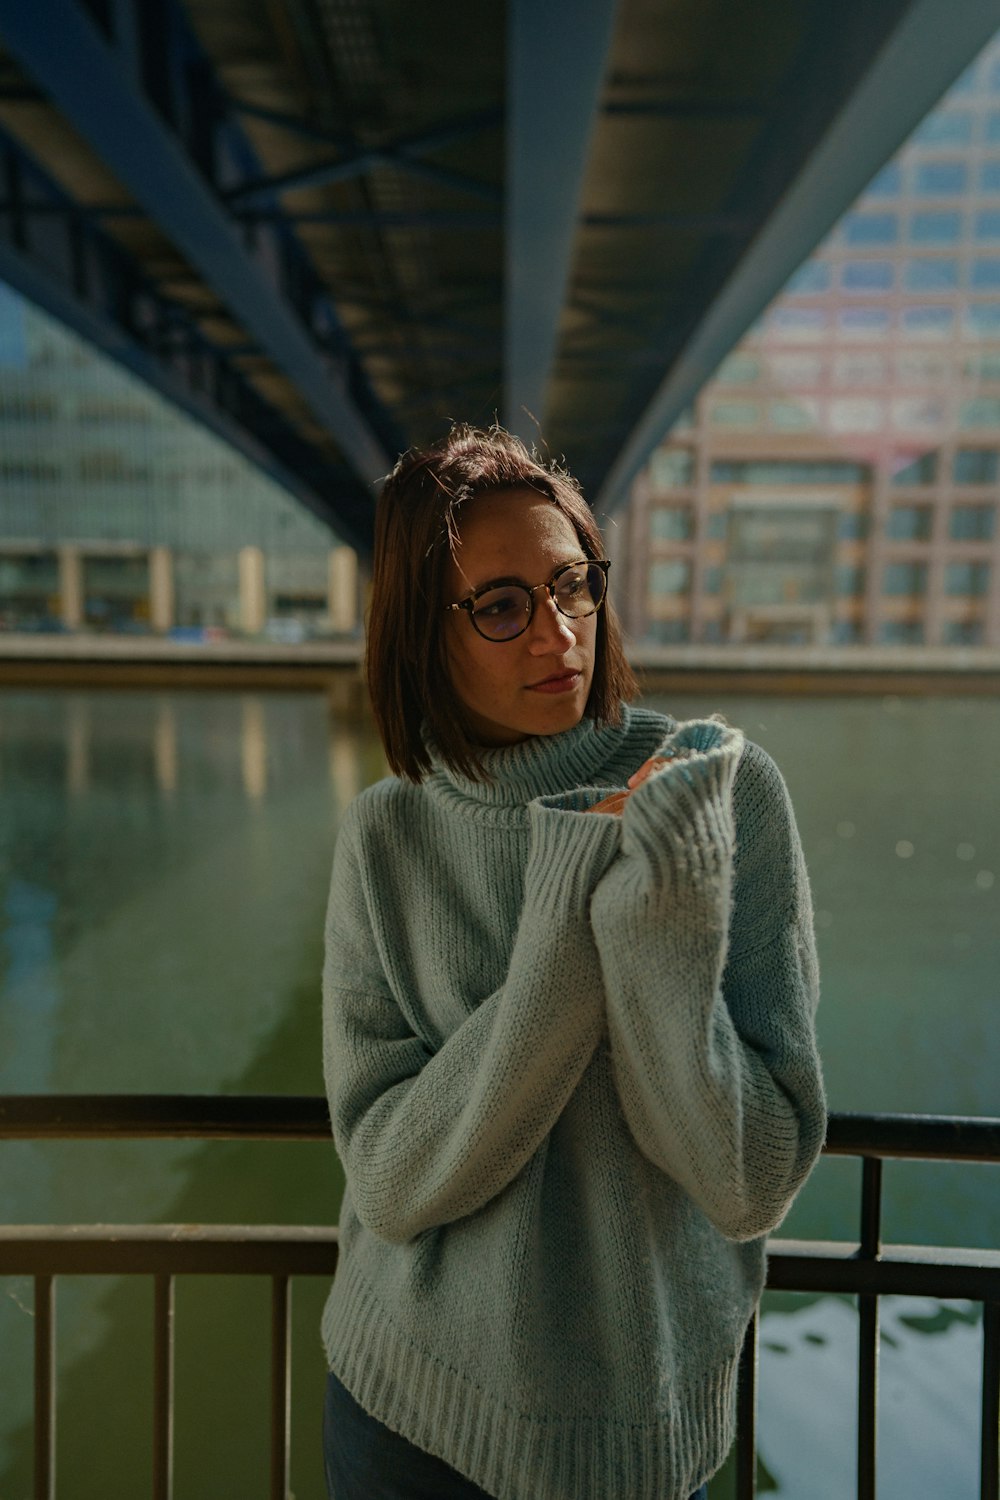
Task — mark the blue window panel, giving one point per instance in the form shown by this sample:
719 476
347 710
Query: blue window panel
988 224
871 229
982 320
904 578
928 322
985 274
863 322
712 580
972 523
933 179
989 177
673 577
887 183
867 275
812 276
945 127
716 527
850 581
993 127
909 523
962 633
939 274
975 466
921 470
936 228
967 578
852 526
902 633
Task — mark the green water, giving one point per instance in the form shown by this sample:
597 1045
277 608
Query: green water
163 869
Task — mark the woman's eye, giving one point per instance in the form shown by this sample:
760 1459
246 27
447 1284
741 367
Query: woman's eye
496 606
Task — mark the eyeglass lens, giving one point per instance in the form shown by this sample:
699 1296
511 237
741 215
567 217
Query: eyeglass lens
503 613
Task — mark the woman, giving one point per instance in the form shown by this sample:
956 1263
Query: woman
568 1003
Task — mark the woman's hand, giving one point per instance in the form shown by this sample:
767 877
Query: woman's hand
614 803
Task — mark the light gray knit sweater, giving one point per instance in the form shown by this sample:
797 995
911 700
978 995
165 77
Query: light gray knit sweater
573 1080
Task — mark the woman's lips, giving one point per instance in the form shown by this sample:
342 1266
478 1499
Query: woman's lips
559 682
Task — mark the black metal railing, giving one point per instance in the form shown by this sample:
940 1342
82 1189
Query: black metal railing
868 1269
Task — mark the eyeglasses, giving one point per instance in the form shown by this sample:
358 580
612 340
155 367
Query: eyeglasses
503 610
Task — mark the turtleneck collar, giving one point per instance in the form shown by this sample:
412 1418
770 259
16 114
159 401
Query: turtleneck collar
537 767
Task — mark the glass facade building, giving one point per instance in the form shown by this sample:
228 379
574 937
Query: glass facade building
837 480
118 513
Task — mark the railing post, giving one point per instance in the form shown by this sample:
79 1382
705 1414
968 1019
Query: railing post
281 1385
45 1388
746 1414
163 1388
868 1330
989 1487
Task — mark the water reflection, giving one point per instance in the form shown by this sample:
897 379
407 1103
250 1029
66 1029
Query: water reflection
155 937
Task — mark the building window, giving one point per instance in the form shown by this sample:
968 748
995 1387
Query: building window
922 369
928 322
671 468
937 274
812 276
901 579
712 579
669 632
920 470
983 367
670 577
982 320
940 179
936 228
788 471
852 526
989 177
971 523
792 323
850 581
715 526
797 370
909 523
902 632
979 411
871 229
988 224
793 416
992 128
918 413
863 322
945 127
967 578
859 369
975 466
962 633
984 274
672 523
887 183
738 369
867 276
856 414
743 415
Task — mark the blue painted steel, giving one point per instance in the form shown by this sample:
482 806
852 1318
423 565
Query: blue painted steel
556 60
55 254
927 51
86 80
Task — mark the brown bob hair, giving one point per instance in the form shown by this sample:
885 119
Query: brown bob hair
416 525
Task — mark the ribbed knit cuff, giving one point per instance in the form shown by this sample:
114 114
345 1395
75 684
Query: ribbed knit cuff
570 849
681 818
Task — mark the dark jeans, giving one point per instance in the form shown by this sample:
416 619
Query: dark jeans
366 1461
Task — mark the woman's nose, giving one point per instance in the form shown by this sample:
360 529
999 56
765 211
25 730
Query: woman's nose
549 630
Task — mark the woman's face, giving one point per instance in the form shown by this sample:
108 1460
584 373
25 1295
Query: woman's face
539 682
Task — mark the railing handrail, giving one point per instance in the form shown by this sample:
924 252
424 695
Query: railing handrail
305 1117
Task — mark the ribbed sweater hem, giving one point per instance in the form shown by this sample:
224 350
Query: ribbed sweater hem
508 1453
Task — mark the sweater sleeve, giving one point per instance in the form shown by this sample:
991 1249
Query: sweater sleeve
427 1136
704 929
